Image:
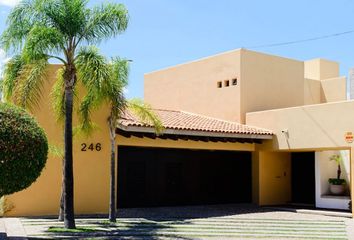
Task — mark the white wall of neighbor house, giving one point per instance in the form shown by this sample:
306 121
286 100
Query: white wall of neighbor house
326 169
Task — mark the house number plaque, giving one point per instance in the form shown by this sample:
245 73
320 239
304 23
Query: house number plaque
91 147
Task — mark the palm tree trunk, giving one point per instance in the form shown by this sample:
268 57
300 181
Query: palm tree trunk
69 218
112 202
61 204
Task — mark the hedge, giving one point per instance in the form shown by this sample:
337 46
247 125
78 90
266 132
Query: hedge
23 149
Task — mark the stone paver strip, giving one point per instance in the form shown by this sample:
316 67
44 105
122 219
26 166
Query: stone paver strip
194 223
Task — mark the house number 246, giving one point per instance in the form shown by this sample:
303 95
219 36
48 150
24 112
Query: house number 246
93 147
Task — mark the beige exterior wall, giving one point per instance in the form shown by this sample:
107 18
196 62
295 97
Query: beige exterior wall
320 69
321 126
193 87
312 92
333 89
264 82
270 82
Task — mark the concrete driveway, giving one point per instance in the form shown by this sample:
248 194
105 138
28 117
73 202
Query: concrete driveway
197 222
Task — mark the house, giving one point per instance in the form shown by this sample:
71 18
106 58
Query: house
240 127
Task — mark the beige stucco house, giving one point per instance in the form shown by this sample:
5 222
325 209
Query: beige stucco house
240 127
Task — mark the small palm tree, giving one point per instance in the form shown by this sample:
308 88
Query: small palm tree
39 30
110 92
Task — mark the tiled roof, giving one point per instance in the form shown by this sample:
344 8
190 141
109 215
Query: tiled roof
181 120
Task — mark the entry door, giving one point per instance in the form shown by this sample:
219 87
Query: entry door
303 178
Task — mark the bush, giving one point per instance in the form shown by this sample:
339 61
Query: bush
336 181
23 149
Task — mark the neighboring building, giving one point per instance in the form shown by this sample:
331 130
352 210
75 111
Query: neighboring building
351 83
240 127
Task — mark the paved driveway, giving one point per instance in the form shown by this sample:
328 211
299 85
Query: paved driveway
199 222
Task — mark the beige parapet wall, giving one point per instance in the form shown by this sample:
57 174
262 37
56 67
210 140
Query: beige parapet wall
321 126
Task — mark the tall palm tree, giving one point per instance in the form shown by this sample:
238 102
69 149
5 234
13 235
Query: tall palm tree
110 92
38 30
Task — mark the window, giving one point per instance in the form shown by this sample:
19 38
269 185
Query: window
227 83
234 81
219 84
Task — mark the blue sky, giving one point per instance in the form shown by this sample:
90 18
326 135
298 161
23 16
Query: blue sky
168 32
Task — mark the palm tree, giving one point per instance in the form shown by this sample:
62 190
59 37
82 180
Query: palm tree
111 93
39 30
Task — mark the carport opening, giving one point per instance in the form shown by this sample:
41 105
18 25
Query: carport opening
152 177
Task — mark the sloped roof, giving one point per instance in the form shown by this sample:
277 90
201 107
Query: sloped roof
186 121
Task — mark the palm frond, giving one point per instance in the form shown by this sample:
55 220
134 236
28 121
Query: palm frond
67 16
42 41
94 72
11 74
120 70
57 96
55 150
20 22
144 112
92 67
90 102
28 91
105 21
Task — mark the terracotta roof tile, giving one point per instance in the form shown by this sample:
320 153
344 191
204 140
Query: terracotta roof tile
181 120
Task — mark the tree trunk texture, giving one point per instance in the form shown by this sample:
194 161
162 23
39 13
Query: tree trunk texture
69 217
61 204
339 172
112 202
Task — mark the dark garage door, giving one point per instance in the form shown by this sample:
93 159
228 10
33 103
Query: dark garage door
150 177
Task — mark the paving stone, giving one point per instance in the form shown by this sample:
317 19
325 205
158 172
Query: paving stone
201 222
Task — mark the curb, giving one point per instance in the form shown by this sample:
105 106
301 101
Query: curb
3 235
314 212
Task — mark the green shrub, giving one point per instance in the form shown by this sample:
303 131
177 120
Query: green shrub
23 149
336 181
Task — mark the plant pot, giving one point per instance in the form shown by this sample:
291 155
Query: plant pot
337 189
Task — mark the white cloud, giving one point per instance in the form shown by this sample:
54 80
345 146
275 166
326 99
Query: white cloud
9 3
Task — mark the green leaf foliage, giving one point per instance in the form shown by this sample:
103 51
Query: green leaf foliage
336 181
144 112
23 149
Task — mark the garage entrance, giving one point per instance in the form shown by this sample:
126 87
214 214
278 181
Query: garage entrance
150 177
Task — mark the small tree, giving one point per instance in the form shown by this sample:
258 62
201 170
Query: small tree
110 92
23 149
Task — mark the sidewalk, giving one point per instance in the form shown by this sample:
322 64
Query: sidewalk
2 229
12 229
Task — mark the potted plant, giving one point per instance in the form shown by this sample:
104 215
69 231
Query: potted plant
337 186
